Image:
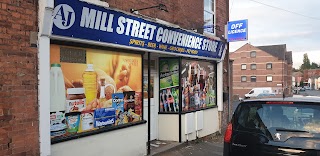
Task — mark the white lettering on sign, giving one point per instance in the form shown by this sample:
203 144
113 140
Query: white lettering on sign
176 38
102 20
94 19
237 28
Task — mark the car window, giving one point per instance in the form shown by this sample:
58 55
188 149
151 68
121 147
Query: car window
263 117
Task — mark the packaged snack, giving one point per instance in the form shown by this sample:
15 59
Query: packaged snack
73 121
104 117
57 123
87 120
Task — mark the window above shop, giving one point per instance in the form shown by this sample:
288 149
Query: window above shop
243 66
253 54
253 79
209 17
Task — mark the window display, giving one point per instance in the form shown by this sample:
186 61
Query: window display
169 85
198 80
103 91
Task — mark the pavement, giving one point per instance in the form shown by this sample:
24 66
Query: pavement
212 146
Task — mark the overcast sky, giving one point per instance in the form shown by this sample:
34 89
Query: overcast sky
269 26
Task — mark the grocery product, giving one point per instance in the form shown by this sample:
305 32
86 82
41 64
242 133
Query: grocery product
104 117
57 89
90 83
73 121
57 124
76 100
87 120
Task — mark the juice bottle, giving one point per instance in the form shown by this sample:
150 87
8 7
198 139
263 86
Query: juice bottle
90 83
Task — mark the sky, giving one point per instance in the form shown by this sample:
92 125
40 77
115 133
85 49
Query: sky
270 26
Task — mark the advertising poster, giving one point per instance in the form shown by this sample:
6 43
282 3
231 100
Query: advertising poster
198 84
169 85
93 83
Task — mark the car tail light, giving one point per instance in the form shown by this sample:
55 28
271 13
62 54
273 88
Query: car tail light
227 135
279 102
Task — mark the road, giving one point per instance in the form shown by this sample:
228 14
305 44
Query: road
310 93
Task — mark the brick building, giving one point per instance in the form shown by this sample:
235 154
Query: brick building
26 48
309 73
262 66
19 118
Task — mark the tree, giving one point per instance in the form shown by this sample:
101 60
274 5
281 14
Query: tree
295 70
306 63
314 65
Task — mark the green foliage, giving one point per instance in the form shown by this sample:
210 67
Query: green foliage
306 62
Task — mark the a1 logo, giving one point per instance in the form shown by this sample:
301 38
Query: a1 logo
63 16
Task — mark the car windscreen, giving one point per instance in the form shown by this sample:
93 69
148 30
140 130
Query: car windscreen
263 117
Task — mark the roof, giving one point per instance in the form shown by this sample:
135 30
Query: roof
289 57
292 99
297 74
275 50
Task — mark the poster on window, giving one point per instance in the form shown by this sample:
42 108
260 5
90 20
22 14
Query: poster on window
92 89
198 84
169 85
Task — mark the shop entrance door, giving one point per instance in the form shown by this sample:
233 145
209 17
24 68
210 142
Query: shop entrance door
153 103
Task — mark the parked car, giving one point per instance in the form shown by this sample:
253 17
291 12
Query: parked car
259 92
274 126
302 89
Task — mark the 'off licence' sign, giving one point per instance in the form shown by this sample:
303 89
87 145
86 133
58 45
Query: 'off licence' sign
238 30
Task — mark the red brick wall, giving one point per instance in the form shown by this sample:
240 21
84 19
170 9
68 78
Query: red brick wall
19 130
185 13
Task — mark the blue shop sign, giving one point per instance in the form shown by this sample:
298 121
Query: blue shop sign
238 30
81 20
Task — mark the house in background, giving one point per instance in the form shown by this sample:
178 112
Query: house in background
262 66
298 76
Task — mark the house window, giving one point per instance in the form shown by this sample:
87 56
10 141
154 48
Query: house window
243 67
243 79
253 79
253 66
269 66
269 78
209 16
253 54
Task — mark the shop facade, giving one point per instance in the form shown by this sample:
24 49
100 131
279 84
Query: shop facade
118 81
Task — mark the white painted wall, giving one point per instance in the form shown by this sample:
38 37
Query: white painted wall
169 127
210 125
123 142
220 86
44 20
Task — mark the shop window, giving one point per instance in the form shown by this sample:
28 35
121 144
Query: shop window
243 79
243 66
269 78
253 66
198 80
253 79
169 85
269 66
253 54
93 92
209 16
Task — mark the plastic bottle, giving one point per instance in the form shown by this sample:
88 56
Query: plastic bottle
90 83
102 98
57 89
